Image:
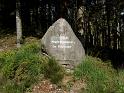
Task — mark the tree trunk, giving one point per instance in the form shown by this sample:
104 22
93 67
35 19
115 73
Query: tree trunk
18 25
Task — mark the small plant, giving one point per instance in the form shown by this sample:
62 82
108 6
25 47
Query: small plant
53 71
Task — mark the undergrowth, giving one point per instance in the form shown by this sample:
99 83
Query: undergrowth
100 77
21 68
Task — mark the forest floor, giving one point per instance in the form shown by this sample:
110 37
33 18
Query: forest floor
7 42
68 85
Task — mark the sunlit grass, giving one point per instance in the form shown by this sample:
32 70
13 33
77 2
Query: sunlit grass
100 77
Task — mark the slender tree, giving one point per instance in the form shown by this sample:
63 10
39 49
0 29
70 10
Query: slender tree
18 24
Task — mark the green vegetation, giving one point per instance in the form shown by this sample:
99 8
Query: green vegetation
21 68
100 77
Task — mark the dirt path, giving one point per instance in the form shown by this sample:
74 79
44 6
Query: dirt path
68 85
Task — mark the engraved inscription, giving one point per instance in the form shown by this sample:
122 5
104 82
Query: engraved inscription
61 42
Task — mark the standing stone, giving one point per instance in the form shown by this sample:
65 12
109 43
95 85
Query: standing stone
61 43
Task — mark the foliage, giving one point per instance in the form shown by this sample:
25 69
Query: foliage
53 71
100 77
21 68
120 82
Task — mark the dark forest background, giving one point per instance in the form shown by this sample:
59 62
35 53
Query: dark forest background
99 24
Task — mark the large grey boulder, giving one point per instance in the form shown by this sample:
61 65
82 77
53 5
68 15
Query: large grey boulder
61 43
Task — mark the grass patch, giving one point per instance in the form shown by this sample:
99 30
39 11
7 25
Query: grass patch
100 77
53 71
120 82
21 68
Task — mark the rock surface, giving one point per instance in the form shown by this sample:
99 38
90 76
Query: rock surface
61 43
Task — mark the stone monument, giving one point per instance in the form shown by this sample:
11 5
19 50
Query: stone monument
61 43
